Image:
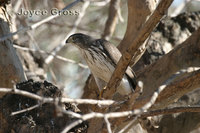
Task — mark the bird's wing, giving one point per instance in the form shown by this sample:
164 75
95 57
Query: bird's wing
114 53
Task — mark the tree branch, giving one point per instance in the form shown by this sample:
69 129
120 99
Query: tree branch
55 56
171 111
52 100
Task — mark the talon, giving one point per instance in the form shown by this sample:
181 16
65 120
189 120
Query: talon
101 92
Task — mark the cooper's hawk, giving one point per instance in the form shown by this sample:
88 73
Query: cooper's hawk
102 57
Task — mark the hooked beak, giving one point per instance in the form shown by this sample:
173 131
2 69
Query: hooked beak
69 40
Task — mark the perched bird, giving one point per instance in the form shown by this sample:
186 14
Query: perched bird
102 57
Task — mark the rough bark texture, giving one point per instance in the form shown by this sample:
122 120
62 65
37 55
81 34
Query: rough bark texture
168 34
11 70
138 14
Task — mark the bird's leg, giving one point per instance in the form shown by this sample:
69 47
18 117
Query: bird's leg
101 92
101 85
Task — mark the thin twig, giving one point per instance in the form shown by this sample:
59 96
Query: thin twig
56 56
108 125
121 19
101 3
54 16
25 110
52 100
181 73
73 114
89 31
17 5
5 37
128 126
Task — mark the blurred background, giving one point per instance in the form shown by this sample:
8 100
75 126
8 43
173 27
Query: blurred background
49 38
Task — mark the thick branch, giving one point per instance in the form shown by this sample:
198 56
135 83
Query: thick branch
176 90
185 55
171 111
138 13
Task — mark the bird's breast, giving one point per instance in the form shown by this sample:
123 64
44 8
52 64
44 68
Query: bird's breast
99 66
102 69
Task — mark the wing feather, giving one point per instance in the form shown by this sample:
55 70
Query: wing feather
114 54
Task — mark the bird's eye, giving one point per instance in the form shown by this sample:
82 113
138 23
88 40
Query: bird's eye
74 39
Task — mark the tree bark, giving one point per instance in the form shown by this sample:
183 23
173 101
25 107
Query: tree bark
11 70
138 13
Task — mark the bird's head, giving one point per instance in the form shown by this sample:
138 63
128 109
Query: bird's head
80 40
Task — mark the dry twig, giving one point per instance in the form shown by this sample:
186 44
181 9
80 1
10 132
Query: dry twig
171 111
56 56
25 110
52 100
